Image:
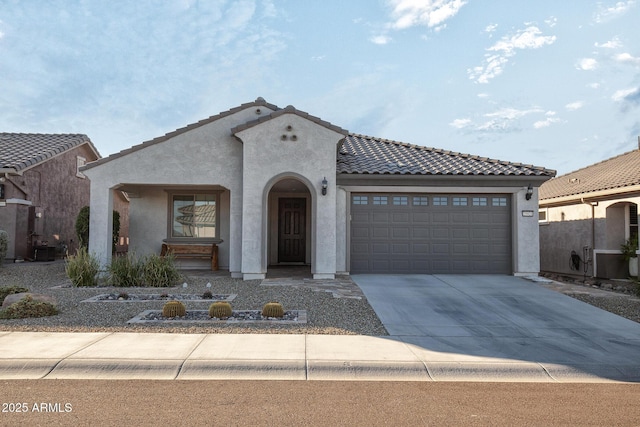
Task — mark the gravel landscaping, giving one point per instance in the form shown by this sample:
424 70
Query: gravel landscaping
326 314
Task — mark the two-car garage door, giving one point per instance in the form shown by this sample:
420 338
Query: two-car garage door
430 233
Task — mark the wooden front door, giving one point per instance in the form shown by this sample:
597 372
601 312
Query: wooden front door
292 230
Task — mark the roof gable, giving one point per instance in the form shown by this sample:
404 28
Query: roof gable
360 154
20 151
259 102
290 109
616 173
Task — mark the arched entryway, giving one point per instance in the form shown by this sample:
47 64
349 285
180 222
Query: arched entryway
289 222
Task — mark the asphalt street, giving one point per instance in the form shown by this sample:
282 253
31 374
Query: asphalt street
310 403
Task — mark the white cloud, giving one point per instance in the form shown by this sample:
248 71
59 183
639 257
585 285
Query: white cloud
614 43
593 85
460 123
573 106
551 21
546 122
587 64
381 39
432 13
627 58
631 94
505 119
605 13
529 38
491 28
483 95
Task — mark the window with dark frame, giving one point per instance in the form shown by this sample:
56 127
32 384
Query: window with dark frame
194 216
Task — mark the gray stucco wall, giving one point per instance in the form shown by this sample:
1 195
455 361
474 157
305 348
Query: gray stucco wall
288 146
203 157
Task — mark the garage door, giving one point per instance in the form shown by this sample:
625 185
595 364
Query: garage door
430 233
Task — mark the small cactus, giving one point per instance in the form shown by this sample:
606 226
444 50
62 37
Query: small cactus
272 309
220 310
207 295
174 309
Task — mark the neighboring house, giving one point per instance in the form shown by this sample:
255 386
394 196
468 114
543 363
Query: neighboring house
587 214
276 186
42 190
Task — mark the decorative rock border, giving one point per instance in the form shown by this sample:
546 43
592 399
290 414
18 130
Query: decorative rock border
113 297
202 316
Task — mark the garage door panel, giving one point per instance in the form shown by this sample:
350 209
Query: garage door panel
380 232
440 233
428 237
420 233
460 233
400 249
400 233
380 249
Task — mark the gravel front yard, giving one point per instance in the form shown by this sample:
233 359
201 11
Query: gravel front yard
325 314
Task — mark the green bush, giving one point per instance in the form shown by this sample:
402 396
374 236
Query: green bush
126 271
160 271
4 245
27 307
8 290
82 227
152 270
82 268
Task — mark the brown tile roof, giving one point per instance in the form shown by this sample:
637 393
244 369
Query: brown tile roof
618 172
361 154
19 151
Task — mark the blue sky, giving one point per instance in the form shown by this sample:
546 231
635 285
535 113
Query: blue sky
546 82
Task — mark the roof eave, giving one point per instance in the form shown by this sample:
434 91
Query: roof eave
594 196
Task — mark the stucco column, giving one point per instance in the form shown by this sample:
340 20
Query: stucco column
101 223
341 230
235 234
252 235
526 234
323 265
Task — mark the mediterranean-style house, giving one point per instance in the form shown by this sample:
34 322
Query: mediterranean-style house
42 191
586 215
277 186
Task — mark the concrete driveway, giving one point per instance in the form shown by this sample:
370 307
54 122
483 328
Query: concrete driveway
496 319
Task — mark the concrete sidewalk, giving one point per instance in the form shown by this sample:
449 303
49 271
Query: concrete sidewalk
36 355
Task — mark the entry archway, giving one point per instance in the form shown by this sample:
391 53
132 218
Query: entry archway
289 223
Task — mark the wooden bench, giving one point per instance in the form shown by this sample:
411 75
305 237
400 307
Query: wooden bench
192 251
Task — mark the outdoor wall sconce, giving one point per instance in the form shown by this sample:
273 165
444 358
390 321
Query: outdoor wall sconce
324 186
529 192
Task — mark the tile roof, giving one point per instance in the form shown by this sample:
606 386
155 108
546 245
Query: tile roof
19 151
616 173
360 154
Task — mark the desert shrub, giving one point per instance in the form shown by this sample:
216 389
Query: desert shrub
82 268
82 228
160 271
27 307
8 290
125 271
4 245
